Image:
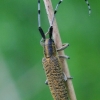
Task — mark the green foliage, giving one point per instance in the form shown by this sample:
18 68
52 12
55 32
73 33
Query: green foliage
21 73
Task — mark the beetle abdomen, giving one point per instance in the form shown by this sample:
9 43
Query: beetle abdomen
55 78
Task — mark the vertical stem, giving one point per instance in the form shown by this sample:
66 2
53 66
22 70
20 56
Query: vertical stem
57 39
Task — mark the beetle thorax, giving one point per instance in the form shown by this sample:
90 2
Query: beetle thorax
49 48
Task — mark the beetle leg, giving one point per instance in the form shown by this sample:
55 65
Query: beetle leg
64 56
64 46
46 82
66 78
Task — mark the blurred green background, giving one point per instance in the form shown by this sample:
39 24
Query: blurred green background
21 74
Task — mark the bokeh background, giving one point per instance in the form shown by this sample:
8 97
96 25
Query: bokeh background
21 74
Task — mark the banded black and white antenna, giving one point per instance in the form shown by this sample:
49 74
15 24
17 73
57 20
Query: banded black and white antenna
39 22
55 11
89 8
51 24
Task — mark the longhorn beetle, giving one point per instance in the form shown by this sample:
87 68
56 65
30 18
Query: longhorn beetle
51 61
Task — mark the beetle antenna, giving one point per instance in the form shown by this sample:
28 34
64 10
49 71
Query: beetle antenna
39 22
55 11
88 6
